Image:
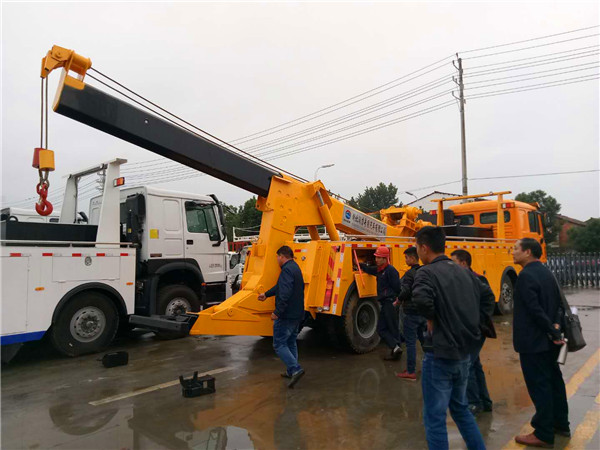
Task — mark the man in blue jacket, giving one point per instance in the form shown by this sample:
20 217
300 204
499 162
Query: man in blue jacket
288 314
537 323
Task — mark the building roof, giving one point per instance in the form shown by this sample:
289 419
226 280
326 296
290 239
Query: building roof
443 194
570 220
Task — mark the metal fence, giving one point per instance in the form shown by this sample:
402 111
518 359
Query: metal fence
576 269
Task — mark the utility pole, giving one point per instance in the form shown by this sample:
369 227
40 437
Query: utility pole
463 140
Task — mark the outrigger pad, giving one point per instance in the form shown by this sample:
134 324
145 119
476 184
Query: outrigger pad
195 387
115 359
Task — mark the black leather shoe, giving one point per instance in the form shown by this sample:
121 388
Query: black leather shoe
488 407
285 375
295 378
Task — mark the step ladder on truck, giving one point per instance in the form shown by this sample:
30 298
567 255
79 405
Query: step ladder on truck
338 298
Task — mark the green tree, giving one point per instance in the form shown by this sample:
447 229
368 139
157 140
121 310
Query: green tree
243 216
586 239
549 206
375 198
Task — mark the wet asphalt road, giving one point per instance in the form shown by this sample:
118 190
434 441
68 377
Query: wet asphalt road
344 402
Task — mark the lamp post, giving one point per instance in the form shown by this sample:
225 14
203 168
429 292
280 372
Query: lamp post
410 193
322 167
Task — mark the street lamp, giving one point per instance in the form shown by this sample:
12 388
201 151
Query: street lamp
322 167
410 193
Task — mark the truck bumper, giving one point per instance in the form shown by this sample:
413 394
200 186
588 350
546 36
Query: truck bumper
181 323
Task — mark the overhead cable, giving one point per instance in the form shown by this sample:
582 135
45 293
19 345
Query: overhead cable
526 79
529 48
351 98
516 67
530 40
533 87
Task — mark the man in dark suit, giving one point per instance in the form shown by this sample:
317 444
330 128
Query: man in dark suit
537 338
288 314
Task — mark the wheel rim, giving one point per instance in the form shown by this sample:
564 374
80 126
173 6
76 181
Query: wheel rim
507 295
366 319
87 324
178 305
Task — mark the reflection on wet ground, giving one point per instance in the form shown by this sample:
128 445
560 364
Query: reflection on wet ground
345 401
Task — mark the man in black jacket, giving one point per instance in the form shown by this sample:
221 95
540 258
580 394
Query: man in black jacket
388 288
477 391
414 325
449 298
288 314
537 338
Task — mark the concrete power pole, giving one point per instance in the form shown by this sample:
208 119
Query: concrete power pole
463 140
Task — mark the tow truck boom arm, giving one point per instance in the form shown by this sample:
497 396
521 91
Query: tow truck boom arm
107 113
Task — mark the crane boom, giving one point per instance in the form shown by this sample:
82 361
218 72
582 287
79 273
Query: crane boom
107 113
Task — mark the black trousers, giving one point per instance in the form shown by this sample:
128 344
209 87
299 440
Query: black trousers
547 391
388 327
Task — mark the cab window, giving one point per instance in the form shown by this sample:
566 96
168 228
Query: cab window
202 219
467 219
534 224
492 217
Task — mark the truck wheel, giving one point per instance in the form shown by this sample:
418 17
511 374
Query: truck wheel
177 299
505 301
356 330
87 324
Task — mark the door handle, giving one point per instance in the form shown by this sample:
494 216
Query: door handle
189 242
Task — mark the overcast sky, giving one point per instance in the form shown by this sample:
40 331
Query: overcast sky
235 69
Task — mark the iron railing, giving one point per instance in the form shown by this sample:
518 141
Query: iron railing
576 269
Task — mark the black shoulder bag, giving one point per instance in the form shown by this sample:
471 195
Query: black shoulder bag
572 329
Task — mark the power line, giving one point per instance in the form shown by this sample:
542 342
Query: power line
525 88
360 113
535 57
529 48
368 130
504 177
528 65
537 174
395 111
527 79
530 40
348 99
269 152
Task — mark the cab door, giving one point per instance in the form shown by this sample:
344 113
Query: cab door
203 240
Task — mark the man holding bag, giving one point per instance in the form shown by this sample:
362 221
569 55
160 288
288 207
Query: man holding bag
538 320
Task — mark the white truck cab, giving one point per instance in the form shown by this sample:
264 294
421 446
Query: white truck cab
183 262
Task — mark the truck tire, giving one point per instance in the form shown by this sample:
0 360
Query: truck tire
356 330
87 324
505 303
176 299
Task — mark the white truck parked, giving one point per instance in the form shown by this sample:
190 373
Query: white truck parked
144 251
